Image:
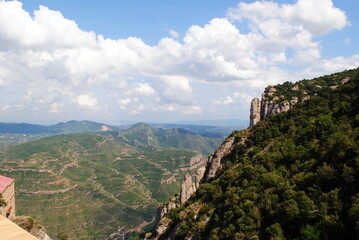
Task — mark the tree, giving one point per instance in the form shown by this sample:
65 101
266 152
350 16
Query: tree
2 202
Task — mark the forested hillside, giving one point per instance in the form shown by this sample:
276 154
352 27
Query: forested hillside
293 176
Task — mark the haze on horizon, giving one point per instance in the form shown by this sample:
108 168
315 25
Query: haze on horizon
114 62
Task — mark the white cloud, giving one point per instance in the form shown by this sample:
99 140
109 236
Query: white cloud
315 16
12 108
56 108
47 28
127 101
47 61
193 110
143 89
223 101
333 65
124 102
137 110
175 89
244 97
174 33
87 102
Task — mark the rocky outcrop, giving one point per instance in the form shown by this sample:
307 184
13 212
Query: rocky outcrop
167 206
187 188
214 163
215 160
272 103
32 226
255 114
282 98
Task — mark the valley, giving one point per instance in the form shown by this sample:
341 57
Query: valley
87 185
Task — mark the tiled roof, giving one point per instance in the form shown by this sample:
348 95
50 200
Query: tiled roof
5 182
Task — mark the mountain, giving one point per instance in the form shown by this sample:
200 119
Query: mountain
15 133
88 185
63 127
142 133
80 127
22 128
293 175
211 131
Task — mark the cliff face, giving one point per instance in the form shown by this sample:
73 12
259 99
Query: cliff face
281 98
190 184
272 103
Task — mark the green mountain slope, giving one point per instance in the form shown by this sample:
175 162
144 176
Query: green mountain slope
87 185
80 127
293 176
147 135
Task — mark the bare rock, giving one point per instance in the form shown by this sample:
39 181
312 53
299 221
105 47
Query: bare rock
255 114
188 187
215 159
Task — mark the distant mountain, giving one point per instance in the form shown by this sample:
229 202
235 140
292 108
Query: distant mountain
24 128
80 127
63 127
217 122
147 135
211 131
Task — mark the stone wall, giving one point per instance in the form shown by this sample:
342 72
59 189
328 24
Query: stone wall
9 196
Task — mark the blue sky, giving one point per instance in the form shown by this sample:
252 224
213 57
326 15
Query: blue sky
164 61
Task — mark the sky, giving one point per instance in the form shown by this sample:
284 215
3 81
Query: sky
163 61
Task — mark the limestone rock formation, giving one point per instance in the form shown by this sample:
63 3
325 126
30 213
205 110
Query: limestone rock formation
215 159
167 206
273 103
255 114
199 175
32 226
187 188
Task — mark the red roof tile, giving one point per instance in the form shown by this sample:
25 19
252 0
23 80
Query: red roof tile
5 182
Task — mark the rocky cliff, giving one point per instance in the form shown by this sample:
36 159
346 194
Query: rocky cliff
32 226
281 98
190 184
272 103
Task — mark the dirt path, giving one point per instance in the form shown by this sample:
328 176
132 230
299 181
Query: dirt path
49 192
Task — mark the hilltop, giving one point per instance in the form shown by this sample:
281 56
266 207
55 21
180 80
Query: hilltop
293 175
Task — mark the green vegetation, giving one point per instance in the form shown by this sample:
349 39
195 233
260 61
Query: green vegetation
87 185
2 201
295 176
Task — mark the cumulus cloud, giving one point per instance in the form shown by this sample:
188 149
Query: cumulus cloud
318 17
192 110
223 101
127 101
142 89
48 61
87 102
12 108
56 108
138 109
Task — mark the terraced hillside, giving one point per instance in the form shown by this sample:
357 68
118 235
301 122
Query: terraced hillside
87 185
